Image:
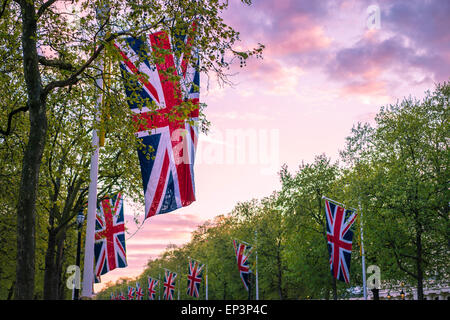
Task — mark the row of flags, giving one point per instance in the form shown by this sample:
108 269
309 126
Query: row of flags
195 277
110 250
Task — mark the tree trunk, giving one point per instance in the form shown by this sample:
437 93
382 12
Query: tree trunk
59 287
419 263
334 287
32 158
280 275
11 291
50 285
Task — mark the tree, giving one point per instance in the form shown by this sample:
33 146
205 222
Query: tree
306 247
403 186
55 54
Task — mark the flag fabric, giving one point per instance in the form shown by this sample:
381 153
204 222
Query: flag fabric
131 291
242 252
339 239
109 248
121 296
139 292
112 296
169 285
152 283
168 151
195 275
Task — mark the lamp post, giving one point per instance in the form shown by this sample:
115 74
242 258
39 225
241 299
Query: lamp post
80 220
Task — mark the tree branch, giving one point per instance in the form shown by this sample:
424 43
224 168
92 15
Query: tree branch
10 116
55 63
44 7
74 78
5 2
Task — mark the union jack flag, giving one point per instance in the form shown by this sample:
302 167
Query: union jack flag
152 283
121 296
169 284
167 159
339 239
242 252
130 294
139 293
194 278
112 296
109 248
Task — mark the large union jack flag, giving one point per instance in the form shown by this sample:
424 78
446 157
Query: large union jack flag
169 145
152 283
109 248
242 252
169 285
339 239
194 278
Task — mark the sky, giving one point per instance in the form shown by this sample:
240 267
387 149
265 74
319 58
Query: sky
327 65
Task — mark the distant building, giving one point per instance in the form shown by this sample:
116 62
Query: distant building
431 291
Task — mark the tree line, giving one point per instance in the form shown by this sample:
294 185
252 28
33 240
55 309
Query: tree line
395 173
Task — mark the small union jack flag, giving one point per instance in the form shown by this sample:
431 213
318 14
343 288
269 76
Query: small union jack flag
130 294
194 278
242 252
112 296
169 284
109 248
139 293
121 296
152 283
339 239
167 161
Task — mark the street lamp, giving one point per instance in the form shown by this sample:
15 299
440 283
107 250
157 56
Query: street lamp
80 220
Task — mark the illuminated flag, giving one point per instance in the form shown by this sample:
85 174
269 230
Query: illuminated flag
339 239
168 145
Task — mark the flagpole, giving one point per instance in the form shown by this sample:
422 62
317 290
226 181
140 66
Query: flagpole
206 282
88 273
363 255
256 264
179 283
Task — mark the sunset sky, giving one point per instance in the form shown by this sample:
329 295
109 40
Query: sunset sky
323 70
